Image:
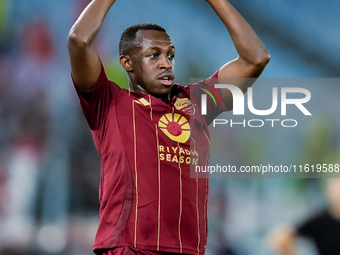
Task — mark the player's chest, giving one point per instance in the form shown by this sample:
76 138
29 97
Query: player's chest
148 117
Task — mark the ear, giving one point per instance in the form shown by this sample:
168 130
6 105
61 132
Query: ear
126 63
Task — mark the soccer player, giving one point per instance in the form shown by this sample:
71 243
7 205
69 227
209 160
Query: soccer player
149 203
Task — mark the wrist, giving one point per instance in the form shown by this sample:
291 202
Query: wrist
215 1
212 1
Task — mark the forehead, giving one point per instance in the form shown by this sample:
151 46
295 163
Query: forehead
153 38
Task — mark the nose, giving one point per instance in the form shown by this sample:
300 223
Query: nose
165 63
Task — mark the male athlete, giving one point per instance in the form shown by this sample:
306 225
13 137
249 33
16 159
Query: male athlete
149 203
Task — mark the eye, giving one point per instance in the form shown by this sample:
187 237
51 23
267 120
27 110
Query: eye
171 56
153 55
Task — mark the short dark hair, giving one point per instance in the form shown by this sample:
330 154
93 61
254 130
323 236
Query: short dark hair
128 37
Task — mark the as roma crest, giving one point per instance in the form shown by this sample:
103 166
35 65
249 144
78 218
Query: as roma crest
185 105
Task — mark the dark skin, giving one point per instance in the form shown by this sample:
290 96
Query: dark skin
150 67
145 71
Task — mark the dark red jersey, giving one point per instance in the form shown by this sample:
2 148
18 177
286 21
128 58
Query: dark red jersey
147 198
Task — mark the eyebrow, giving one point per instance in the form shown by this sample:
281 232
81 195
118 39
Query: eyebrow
158 48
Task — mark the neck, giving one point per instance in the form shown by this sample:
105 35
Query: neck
139 89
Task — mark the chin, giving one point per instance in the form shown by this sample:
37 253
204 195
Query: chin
163 93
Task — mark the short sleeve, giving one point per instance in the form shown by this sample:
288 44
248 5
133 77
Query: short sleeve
215 105
95 102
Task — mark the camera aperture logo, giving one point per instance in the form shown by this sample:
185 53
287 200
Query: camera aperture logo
239 101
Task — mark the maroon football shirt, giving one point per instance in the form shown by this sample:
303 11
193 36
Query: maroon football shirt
147 198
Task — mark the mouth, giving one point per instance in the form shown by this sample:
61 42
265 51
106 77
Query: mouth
166 79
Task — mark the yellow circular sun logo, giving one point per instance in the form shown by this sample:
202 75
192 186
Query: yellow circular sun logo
175 126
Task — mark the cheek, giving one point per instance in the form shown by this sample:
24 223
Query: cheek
144 68
139 71
149 71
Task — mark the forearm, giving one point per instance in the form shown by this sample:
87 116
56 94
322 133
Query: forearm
85 62
247 43
86 28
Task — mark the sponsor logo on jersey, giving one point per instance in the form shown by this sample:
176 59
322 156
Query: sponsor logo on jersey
177 154
175 126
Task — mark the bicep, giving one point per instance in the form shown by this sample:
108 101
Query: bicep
85 65
238 73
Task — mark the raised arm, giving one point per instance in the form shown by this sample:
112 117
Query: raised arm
85 62
253 56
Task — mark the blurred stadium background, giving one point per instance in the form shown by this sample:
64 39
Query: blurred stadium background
49 169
